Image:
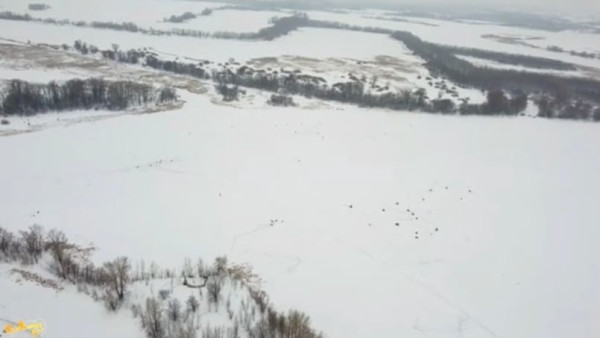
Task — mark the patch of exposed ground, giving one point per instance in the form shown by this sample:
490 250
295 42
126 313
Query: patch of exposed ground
383 68
40 57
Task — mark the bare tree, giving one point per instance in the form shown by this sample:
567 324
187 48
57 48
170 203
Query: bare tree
214 290
188 269
186 330
111 301
118 275
192 304
34 242
152 319
298 326
220 265
200 267
56 243
174 310
6 239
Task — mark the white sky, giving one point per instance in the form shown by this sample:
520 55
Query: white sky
588 7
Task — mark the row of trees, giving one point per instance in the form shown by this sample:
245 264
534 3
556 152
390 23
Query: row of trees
583 54
28 246
38 7
514 59
187 16
356 92
551 107
132 56
278 28
181 18
23 98
282 26
161 315
281 100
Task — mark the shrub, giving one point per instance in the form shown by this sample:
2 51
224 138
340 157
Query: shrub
181 18
38 7
214 290
192 304
152 319
34 242
24 98
220 265
164 294
174 310
281 100
111 300
229 92
444 106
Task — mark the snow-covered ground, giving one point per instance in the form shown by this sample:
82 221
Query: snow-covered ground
145 13
26 124
309 42
375 223
473 35
62 313
39 76
388 223
229 20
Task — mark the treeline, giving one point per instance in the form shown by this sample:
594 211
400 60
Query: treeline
282 26
570 97
187 16
180 18
359 92
345 26
15 16
38 7
161 315
27 247
552 107
23 98
440 60
206 12
514 59
587 55
279 27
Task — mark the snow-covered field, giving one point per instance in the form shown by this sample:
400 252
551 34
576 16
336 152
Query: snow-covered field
501 243
309 42
328 53
473 35
146 13
229 20
375 223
